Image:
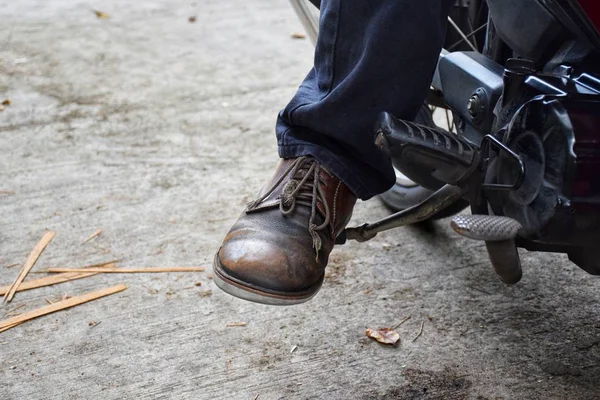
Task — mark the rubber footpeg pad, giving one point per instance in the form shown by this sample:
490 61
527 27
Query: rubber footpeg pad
485 227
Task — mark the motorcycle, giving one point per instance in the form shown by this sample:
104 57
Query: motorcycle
519 84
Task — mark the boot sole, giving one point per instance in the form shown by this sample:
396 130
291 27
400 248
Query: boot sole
238 289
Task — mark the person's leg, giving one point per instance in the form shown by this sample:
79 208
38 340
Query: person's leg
371 56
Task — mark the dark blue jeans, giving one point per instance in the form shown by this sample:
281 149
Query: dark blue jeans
371 56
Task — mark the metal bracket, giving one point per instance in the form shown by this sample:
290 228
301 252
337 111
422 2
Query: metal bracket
490 140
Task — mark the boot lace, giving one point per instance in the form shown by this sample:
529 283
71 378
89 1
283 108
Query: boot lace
302 189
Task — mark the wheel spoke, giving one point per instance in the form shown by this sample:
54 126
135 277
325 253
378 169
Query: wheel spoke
462 34
452 47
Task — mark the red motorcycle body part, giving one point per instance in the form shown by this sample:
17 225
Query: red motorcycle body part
592 10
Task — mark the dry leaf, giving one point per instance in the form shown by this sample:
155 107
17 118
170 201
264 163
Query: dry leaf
101 15
298 35
384 335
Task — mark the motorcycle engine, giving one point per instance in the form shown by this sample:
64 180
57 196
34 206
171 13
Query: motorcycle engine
541 135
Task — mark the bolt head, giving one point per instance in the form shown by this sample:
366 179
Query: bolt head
472 104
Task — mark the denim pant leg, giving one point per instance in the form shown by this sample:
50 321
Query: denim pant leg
371 56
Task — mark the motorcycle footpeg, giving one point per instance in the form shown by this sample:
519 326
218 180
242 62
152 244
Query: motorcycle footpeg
424 154
490 228
499 234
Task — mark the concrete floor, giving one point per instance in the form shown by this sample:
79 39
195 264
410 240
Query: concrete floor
158 131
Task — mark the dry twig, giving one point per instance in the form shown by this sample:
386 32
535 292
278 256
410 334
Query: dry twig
33 256
13 311
58 278
93 235
420 331
152 291
128 270
58 306
401 322
234 324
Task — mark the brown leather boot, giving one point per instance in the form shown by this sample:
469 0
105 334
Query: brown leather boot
277 250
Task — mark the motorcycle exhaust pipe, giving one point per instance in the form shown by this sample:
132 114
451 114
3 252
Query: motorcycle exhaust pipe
429 156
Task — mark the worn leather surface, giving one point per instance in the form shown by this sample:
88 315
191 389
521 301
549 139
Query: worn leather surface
270 252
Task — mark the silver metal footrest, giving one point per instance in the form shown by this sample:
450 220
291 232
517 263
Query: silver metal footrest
444 197
499 235
485 227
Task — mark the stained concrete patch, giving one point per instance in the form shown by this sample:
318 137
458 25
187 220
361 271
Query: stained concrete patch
429 385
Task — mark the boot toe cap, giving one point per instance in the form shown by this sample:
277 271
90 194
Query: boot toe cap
266 265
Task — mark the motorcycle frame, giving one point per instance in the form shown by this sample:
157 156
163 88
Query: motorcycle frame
485 91
486 88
